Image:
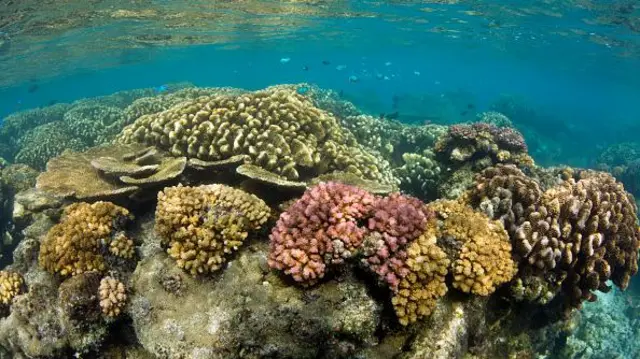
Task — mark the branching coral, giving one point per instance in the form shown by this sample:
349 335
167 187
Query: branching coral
483 259
113 296
280 130
11 284
320 228
203 225
483 143
577 234
79 242
44 142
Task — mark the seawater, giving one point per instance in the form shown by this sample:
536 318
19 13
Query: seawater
571 69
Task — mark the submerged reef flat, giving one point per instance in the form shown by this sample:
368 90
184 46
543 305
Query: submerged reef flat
225 223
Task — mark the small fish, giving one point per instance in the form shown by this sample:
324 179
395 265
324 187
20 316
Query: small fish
353 79
285 60
386 78
417 73
390 116
436 82
471 106
379 76
161 88
388 63
302 90
305 68
33 88
464 113
326 62
341 67
52 102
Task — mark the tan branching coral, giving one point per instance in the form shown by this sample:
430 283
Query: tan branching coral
79 242
483 261
425 284
11 284
280 130
202 225
113 296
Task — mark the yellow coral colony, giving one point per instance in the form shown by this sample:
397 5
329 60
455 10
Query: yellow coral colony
112 295
420 289
11 284
75 245
201 225
484 261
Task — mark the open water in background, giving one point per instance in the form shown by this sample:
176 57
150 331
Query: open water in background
576 63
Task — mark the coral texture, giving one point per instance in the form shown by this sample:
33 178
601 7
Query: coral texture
202 225
112 295
320 228
579 233
81 240
480 140
279 129
11 284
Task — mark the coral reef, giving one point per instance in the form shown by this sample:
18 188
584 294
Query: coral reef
44 142
419 175
579 233
78 243
494 118
319 229
203 225
280 130
112 295
19 177
483 144
109 172
93 124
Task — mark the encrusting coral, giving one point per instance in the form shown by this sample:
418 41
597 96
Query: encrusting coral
574 236
202 225
87 232
113 296
11 284
280 130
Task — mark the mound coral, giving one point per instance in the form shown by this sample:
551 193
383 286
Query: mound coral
420 174
320 228
44 142
113 296
202 225
483 250
577 234
483 143
86 233
279 129
11 284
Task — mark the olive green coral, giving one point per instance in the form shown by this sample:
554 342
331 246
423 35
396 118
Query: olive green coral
11 284
80 241
279 129
202 225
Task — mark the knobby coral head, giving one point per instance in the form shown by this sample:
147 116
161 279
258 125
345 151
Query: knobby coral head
320 228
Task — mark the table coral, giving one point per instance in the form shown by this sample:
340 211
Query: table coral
11 284
112 295
280 130
202 225
79 243
320 228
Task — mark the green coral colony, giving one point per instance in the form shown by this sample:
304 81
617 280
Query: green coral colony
221 223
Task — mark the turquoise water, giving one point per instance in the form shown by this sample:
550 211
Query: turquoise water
566 73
